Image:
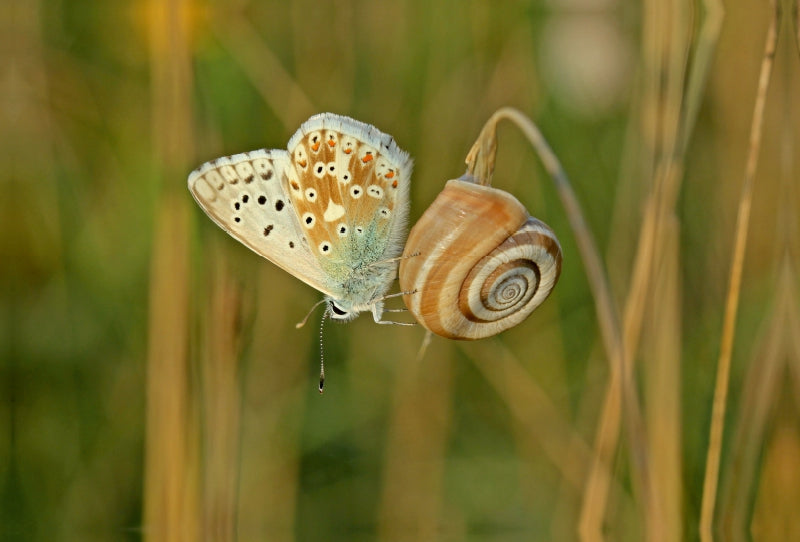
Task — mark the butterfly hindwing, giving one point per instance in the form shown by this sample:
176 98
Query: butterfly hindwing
351 192
247 195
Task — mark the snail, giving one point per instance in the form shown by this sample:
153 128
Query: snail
476 263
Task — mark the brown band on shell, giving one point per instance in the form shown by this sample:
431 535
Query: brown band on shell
484 264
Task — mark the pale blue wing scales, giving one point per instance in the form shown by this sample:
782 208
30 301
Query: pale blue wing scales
364 160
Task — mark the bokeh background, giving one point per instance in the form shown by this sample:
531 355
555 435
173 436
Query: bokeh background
153 383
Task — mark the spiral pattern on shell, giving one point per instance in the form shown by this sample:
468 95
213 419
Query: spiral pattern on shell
483 264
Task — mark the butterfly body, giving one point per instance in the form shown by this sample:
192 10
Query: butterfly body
331 210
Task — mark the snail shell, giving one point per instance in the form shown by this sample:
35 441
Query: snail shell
482 263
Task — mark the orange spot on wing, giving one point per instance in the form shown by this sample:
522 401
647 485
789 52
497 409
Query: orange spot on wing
331 143
390 174
348 151
394 184
367 158
302 163
315 146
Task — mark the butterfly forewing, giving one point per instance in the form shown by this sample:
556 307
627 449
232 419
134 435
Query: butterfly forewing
350 194
246 195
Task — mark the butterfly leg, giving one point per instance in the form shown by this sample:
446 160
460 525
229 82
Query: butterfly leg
378 310
396 323
392 260
398 294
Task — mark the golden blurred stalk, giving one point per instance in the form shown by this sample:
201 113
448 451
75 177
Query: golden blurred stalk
221 401
732 304
171 455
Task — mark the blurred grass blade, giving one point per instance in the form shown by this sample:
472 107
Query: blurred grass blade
221 401
172 487
734 287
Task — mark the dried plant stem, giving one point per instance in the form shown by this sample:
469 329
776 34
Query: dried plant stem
221 400
667 51
732 302
170 482
765 381
700 66
171 485
480 165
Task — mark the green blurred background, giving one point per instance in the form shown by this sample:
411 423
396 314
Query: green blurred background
154 385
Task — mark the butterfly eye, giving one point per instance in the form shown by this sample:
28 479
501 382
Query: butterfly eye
384 212
311 194
356 191
319 170
325 247
309 220
337 312
375 191
331 169
342 230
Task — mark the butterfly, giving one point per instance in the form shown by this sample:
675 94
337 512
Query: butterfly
331 210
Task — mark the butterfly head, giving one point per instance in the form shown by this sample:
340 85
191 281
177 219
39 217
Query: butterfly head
344 310
341 311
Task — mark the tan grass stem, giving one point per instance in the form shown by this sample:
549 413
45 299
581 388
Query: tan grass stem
711 477
670 140
171 484
221 404
764 387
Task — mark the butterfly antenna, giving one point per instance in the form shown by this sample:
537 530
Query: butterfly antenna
322 354
301 323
